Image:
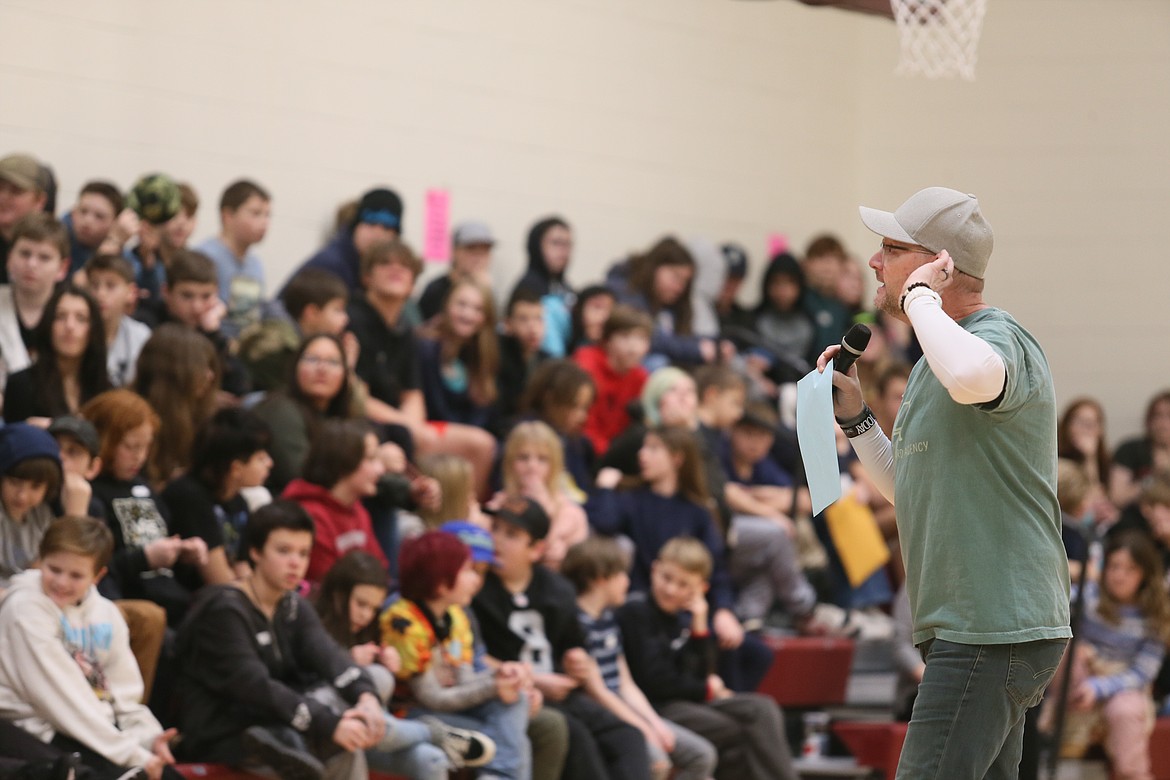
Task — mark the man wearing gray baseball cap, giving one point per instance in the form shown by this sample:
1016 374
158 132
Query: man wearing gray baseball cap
971 468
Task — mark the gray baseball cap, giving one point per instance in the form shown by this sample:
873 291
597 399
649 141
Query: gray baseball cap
22 171
471 233
939 218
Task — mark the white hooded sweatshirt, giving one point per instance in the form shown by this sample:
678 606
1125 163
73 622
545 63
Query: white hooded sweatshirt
70 671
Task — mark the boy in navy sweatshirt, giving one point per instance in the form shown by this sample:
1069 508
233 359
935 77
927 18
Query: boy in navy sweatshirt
671 655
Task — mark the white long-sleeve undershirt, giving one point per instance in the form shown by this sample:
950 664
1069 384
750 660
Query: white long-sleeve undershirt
966 365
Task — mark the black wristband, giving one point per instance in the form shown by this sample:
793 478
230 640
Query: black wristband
902 300
858 425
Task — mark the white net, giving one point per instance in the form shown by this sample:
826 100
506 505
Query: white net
939 38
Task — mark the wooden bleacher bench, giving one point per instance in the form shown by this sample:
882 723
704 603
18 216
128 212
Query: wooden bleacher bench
879 745
221 772
1160 749
808 671
875 744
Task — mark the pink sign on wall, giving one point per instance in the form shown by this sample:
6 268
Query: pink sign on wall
437 216
777 243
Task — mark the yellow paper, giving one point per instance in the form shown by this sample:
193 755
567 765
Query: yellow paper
858 540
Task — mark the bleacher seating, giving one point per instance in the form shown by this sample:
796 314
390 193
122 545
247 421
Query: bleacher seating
808 671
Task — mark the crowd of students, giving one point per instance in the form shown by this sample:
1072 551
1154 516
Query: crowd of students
345 526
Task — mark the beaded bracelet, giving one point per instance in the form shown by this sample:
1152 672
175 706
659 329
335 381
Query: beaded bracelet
912 288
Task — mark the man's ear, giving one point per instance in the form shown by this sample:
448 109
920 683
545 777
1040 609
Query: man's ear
536 550
63 271
95 468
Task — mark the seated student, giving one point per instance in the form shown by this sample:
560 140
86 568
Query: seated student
459 358
763 558
178 375
659 284
377 218
244 209
387 359
37 261
784 327
527 614
110 280
597 568
156 200
615 365
471 259
1122 640
149 562
548 732
66 671
92 223
178 230
295 701
748 460
434 637
533 467
671 501
24 187
1137 458
550 247
727 308
457 491
670 650
30 478
560 394
70 367
230 455
343 466
348 601
316 301
80 462
520 351
191 298
318 390
593 307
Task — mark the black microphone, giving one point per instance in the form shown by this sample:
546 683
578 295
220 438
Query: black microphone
853 344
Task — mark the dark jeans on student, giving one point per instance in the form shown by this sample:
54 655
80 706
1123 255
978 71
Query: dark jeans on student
968 720
747 731
744 668
601 745
102 768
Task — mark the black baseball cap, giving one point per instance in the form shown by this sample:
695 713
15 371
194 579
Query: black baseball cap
523 513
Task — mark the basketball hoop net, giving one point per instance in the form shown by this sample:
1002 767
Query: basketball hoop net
938 37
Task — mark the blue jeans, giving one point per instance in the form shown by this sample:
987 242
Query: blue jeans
506 724
968 720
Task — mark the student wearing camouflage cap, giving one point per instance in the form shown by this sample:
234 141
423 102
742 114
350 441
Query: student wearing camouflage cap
23 191
156 199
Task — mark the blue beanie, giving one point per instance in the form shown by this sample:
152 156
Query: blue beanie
21 441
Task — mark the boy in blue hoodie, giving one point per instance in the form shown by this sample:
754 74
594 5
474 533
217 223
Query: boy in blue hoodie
30 479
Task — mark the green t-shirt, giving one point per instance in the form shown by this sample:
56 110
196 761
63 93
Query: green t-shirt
975 487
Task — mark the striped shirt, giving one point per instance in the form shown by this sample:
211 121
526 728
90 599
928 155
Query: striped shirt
1130 642
603 640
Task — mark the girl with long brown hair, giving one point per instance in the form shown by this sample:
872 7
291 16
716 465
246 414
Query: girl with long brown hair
178 374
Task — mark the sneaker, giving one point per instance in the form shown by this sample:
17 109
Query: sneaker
288 763
134 774
464 748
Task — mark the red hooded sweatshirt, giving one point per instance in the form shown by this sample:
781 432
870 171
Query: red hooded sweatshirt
340 528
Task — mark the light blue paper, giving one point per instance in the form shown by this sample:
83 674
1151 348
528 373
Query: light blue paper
816 431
